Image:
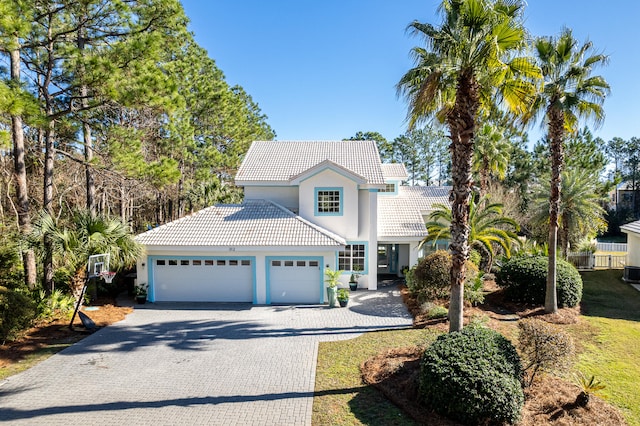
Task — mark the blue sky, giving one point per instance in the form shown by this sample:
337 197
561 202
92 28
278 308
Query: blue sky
323 70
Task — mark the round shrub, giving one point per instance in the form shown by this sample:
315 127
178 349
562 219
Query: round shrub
17 310
473 376
525 280
430 279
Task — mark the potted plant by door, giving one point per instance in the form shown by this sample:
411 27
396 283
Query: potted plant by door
140 292
332 285
343 297
353 283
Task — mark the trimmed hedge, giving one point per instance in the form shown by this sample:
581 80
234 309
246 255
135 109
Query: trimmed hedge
473 376
430 279
525 280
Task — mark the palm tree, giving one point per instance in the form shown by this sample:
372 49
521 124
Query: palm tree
580 213
467 61
86 235
569 92
491 155
488 228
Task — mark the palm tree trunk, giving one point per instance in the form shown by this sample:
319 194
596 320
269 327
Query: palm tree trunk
556 134
461 123
20 177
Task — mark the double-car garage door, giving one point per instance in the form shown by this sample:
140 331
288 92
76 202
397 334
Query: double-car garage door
229 279
203 280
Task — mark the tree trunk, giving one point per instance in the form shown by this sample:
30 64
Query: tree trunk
556 134
47 205
461 123
20 176
86 133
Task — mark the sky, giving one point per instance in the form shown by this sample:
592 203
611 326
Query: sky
324 70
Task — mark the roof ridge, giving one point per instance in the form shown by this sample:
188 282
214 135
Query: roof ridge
176 221
312 225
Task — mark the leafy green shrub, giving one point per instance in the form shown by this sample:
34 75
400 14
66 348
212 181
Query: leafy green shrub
436 311
525 280
56 305
17 310
430 279
544 347
473 376
473 290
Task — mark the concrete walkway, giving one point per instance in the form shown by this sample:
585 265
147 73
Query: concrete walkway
214 364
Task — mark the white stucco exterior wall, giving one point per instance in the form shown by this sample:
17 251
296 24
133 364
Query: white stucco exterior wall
344 224
286 196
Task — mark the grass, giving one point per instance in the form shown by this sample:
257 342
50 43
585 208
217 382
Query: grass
32 359
608 338
612 351
340 396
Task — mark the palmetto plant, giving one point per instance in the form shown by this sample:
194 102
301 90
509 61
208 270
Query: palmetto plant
588 386
468 65
488 228
580 213
568 92
85 235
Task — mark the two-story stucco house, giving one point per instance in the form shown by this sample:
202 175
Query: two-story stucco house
308 206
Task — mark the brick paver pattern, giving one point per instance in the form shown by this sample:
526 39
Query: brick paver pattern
209 364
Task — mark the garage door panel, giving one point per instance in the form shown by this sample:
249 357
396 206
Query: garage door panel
203 280
295 281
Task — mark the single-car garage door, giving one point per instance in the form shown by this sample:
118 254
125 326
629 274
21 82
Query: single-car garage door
203 279
294 280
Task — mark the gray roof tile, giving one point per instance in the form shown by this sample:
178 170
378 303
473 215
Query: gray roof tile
401 215
392 171
633 227
280 161
253 223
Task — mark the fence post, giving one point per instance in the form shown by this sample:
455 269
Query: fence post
609 261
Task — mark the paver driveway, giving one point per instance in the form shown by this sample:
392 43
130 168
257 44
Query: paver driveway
195 364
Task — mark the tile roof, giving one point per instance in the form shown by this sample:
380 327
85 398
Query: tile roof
253 223
394 170
633 227
279 161
401 215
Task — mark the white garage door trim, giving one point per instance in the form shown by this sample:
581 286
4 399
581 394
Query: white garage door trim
213 267
311 294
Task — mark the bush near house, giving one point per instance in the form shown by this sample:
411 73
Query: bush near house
525 280
473 376
17 308
430 278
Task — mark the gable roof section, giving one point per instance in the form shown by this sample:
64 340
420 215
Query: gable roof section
394 171
633 227
277 162
253 223
401 215
330 165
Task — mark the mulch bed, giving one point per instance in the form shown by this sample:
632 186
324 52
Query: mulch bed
48 333
549 401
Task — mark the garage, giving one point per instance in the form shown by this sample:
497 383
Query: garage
203 279
294 280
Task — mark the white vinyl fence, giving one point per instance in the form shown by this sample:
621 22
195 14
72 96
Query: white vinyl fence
589 261
612 247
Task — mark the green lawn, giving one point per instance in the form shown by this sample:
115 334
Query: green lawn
612 346
608 338
340 396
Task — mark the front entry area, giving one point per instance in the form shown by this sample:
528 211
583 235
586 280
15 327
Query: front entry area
294 279
388 255
202 279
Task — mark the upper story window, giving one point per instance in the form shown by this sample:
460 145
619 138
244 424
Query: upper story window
328 201
389 187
